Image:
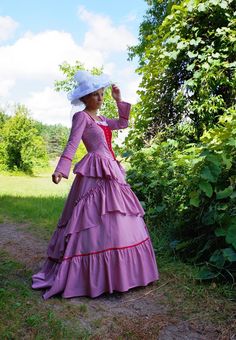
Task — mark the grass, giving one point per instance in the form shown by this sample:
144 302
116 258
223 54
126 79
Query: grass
24 315
188 296
34 200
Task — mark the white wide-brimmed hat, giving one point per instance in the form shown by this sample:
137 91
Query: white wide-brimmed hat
86 83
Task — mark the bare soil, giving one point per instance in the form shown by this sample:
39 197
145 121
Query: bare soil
141 313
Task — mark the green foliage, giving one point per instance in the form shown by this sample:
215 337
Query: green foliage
187 64
55 137
190 195
156 13
21 146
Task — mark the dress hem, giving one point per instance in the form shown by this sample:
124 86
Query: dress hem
110 292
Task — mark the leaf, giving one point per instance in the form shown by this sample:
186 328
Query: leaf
160 208
222 206
206 274
191 54
233 195
182 245
227 160
214 167
190 67
174 39
220 232
208 218
231 235
231 142
194 198
223 4
181 45
201 7
195 42
143 204
190 82
206 66
224 193
127 154
197 74
229 254
214 2
218 259
207 174
206 188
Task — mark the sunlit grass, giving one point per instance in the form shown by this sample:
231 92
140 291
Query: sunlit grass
28 186
36 200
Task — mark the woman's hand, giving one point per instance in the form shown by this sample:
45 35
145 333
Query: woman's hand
56 177
115 92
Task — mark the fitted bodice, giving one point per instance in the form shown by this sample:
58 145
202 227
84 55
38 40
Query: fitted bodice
100 160
97 137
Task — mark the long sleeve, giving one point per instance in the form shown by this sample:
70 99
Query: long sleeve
78 125
123 121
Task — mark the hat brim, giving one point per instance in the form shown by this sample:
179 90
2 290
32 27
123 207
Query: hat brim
75 95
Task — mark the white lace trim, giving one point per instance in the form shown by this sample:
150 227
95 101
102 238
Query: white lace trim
101 122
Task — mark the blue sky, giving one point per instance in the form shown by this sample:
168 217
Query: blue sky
36 36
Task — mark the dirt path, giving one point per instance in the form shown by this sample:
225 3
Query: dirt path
142 312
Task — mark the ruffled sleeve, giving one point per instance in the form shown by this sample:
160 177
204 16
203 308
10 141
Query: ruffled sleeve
123 121
79 122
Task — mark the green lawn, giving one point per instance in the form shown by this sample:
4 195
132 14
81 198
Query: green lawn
36 200
24 315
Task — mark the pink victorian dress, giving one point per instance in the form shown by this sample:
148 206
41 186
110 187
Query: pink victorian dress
101 243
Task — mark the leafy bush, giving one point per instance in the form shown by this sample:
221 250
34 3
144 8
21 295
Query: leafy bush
190 197
21 147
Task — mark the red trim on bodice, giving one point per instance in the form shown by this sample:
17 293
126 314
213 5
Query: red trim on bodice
107 132
108 135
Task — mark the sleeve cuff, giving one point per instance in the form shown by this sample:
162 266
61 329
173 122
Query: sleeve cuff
64 166
124 109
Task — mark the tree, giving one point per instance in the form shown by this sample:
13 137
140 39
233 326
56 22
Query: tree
156 13
188 65
22 146
55 137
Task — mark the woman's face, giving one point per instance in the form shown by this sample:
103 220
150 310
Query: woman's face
94 100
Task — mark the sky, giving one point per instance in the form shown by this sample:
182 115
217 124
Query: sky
37 36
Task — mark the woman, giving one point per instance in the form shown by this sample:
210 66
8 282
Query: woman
101 243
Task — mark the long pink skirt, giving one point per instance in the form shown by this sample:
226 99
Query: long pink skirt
101 243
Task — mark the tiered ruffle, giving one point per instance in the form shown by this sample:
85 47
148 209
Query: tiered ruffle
96 165
94 274
104 244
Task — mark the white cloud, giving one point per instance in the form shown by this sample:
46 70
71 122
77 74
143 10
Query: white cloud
7 27
5 86
130 17
37 56
103 35
29 66
49 107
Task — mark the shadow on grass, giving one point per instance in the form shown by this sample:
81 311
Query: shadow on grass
42 213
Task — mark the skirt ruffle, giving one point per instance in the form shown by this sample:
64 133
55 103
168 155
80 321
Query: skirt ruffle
101 243
96 165
96 273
